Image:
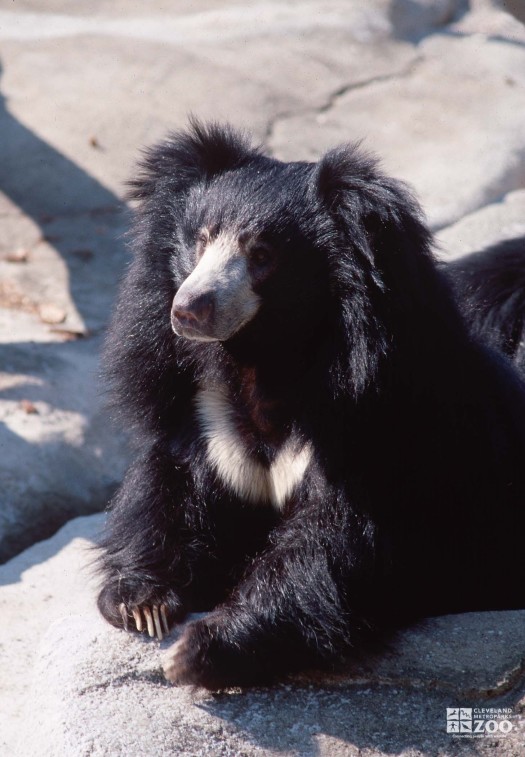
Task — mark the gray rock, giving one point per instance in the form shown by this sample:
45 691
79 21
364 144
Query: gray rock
495 17
452 125
98 691
515 7
60 455
414 18
484 227
50 580
216 64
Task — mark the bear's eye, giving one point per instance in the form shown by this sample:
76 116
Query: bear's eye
201 242
260 255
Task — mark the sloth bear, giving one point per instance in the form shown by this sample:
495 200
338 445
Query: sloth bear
324 453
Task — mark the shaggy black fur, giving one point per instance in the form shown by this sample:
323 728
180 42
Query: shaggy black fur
413 504
490 290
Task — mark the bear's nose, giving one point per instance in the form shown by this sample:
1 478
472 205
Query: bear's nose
193 311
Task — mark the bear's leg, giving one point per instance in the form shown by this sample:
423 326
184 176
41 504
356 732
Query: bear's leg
302 603
154 543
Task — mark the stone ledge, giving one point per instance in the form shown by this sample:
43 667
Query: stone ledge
98 691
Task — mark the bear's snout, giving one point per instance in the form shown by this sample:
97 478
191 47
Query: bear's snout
192 313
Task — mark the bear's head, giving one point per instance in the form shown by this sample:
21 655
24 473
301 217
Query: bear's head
285 252
251 241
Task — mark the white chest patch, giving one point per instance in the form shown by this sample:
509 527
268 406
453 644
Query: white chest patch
247 477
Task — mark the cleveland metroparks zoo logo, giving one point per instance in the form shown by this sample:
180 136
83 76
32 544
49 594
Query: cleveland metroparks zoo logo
476 722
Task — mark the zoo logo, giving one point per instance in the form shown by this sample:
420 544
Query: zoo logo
467 722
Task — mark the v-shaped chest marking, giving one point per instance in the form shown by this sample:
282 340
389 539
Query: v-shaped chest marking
237 469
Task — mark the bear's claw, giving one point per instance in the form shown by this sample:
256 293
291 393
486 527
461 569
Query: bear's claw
154 619
124 615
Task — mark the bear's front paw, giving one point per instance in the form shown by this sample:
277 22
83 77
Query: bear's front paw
195 657
208 654
140 609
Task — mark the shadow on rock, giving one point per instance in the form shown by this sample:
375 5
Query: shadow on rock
60 457
412 20
49 187
385 719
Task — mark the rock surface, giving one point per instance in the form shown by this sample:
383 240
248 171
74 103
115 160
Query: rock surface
430 125
491 224
92 690
48 581
60 455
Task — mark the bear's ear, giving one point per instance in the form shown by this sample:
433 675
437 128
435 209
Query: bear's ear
377 217
343 171
186 157
381 260
342 181
356 192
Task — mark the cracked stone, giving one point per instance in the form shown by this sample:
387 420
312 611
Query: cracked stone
452 125
213 65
